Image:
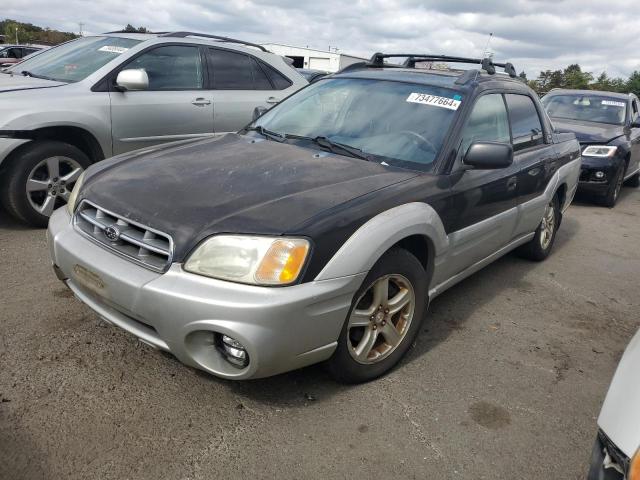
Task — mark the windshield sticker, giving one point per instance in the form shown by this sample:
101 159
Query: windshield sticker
435 101
613 103
111 49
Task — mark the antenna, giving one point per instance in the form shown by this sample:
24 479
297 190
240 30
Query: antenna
485 53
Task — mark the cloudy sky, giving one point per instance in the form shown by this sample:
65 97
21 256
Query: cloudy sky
533 34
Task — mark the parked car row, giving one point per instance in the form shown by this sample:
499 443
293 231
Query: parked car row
316 230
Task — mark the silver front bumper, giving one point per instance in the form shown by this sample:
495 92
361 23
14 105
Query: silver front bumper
281 328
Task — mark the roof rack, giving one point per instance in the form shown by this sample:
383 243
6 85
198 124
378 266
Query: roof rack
214 37
487 64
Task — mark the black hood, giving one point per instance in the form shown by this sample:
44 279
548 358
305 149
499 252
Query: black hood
588 132
233 183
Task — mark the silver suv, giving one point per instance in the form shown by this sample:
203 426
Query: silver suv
103 95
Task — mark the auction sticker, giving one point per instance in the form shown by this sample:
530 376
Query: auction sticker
112 49
434 100
613 103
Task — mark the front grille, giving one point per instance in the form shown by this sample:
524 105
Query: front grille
143 245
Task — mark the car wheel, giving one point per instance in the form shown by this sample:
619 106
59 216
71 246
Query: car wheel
539 247
611 197
384 319
634 181
40 179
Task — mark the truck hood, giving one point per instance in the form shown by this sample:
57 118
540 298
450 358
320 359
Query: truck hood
598 133
231 184
11 83
620 415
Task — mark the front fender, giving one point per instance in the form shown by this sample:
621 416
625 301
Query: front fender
363 249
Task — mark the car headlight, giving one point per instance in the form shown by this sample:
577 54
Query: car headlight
73 198
249 259
634 467
599 151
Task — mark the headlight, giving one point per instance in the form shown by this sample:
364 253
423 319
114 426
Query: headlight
73 198
634 468
247 259
599 151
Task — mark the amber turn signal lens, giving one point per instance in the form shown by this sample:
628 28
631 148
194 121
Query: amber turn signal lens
283 262
634 468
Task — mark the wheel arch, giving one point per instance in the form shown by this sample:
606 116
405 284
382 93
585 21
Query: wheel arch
415 226
78 137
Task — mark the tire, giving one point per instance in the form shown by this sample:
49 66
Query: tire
540 246
34 167
613 192
634 181
406 278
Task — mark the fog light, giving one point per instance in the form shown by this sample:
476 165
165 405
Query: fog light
233 351
599 175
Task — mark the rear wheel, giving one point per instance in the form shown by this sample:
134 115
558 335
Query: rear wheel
40 179
539 247
384 320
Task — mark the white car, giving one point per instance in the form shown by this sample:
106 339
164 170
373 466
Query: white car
616 454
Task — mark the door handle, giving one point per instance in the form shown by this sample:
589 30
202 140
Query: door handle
272 100
512 183
201 102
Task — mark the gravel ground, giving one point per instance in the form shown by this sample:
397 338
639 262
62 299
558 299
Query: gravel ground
506 380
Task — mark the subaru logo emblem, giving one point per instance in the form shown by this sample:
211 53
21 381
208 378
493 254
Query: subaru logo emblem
112 233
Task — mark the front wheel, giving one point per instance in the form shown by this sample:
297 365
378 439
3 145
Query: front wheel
613 192
384 320
539 247
40 179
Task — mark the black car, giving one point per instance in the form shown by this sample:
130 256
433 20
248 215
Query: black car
323 229
607 125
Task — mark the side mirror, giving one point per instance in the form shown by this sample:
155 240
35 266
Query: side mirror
258 112
636 123
489 155
133 79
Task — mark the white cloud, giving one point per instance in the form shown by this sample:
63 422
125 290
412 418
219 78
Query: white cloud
534 34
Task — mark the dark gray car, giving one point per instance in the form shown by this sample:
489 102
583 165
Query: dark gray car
103 95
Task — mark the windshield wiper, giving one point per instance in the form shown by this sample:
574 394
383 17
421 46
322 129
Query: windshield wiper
278 137
337 147
33 75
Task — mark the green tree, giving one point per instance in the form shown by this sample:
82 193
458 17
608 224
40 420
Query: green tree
633 84
574 77
131 29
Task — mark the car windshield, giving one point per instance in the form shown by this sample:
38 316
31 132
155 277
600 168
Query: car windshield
398 123
76 60
587 108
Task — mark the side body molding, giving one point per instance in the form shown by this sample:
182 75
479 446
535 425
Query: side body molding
361 251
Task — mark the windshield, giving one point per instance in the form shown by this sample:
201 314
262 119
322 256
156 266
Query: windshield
399 123
587 108
76 60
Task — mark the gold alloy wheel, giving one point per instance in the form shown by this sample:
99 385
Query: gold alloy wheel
548 226
381 319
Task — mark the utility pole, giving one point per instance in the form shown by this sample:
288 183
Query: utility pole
17 43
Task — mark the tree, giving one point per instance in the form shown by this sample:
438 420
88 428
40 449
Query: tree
131 29
575 78
633 84
29 33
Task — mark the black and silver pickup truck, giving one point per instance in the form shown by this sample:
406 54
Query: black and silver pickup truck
322 230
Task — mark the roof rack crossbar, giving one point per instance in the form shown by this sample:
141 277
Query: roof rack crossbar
487 64
213 37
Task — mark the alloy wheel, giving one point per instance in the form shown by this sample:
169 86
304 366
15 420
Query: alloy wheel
548 226
381 319
50 182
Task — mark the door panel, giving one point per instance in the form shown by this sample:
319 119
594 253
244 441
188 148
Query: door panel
484 200
174 107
